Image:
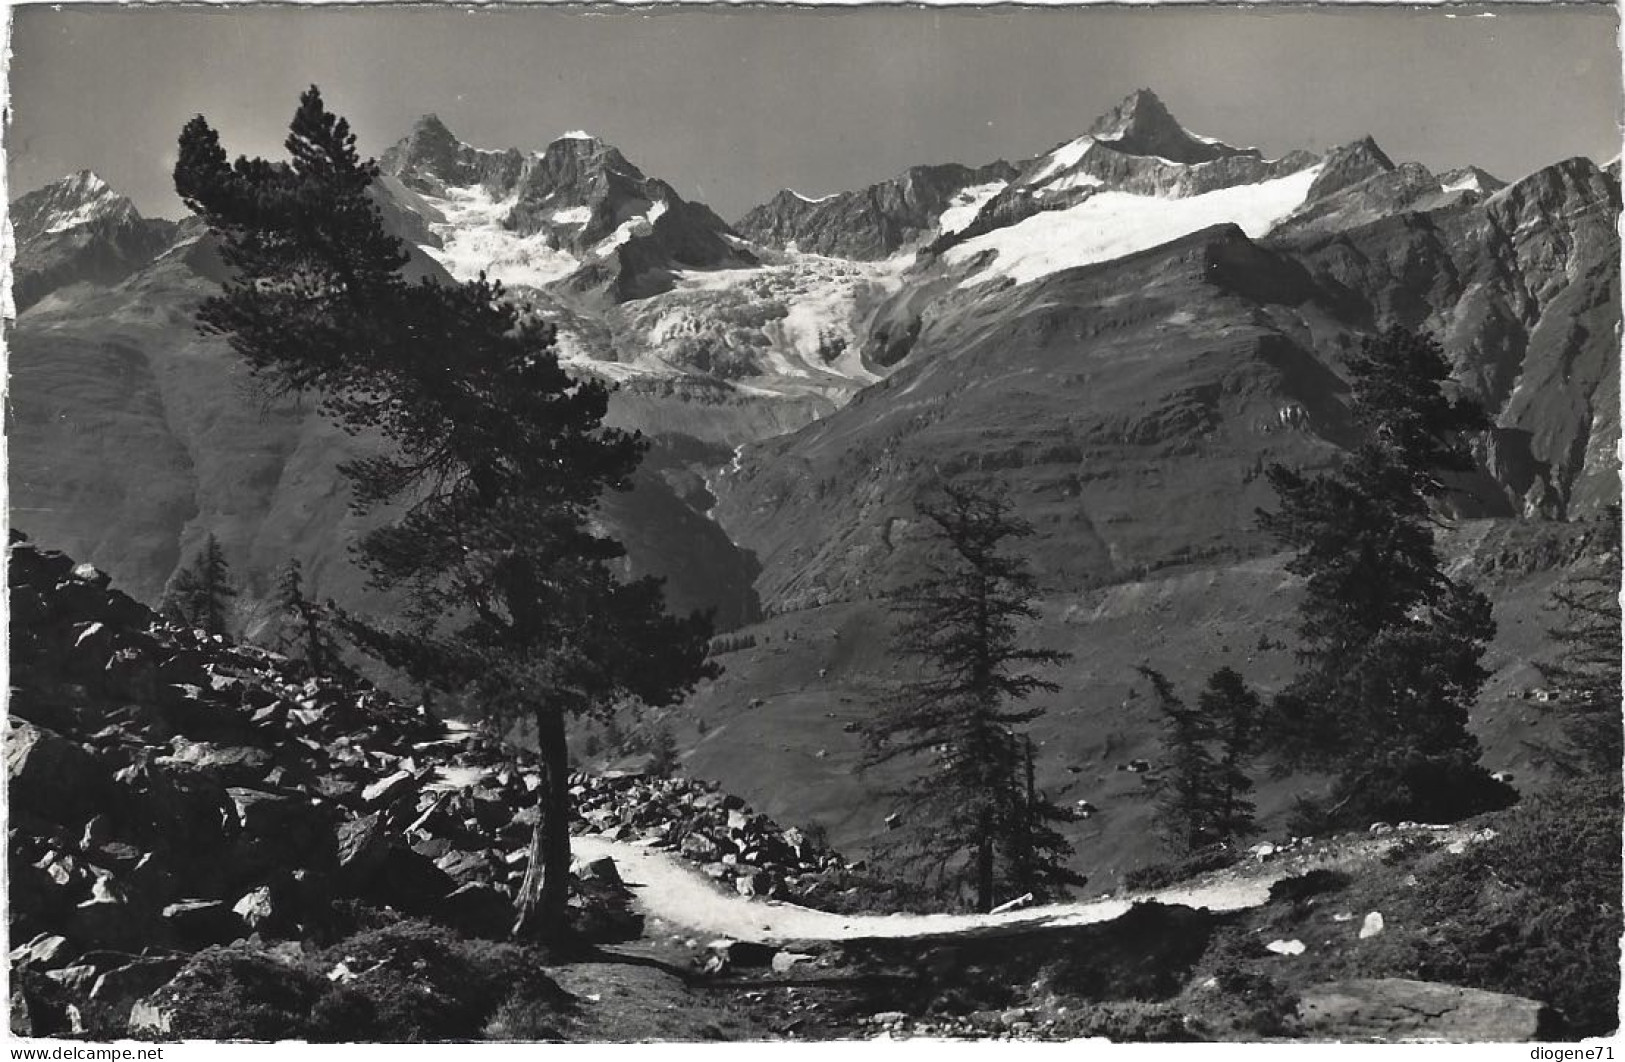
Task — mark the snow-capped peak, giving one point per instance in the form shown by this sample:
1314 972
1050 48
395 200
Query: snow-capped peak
1143 125
69 203
578 134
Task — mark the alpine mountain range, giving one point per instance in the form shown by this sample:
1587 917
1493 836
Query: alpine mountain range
1124 329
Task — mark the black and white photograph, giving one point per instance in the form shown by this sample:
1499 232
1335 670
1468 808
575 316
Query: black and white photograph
610 524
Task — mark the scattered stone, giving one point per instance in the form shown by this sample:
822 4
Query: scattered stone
1372 926
1285 947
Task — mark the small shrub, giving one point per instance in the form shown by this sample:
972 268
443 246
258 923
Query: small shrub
231 993
1130 1022
1163 875
1535 911
1249 1003
425 983
1316 882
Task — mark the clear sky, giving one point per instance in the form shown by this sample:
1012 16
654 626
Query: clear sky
731 105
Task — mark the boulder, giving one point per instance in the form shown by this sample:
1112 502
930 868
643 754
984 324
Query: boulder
1395 1009
743 954
363 845
199 923
265 912
46 951
230 765
699 847
126 984
282 832
401 785
409 883
113 922
50 776
477 910
598 870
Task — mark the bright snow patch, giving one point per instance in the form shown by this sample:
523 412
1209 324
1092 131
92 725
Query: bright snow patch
474 239
579 215
1062 157
1110 225
1070 181
810 199
964 207
637 225
577 134
1468 182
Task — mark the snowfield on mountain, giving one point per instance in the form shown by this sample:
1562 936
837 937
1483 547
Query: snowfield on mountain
1110 224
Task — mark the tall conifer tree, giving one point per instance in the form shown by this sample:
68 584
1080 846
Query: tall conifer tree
497 455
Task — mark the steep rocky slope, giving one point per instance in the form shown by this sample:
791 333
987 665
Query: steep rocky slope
78 229
578 209
1129 405
877 221
171 791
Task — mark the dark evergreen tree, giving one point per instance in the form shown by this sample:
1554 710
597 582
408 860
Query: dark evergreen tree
1585 672
1203 799
496 454
961 624
1034 850
1189 780
200 595
311 636
1233 711
1391 647
662 751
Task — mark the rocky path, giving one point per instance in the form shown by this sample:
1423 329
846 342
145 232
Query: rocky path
673 891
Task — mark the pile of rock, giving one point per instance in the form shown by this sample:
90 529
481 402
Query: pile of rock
744 851
170 791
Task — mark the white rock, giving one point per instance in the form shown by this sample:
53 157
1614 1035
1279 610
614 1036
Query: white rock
1285 947
1372 925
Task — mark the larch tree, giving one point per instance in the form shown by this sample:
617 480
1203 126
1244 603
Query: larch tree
495 458
1391 647
972 808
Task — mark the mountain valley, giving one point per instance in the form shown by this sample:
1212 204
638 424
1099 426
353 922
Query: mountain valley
1124 330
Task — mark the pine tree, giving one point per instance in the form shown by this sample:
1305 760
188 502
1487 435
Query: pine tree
1391 648
497 455
200 595
1585 673
962 624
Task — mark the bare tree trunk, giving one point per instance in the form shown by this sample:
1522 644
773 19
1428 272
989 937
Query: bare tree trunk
984 869
543 901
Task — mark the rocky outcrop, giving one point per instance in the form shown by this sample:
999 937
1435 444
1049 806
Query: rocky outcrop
1397 1010
172 791
1142 125
78 230
579 196
875 222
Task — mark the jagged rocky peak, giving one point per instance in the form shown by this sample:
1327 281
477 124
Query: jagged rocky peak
1349 165
1471 179
876 221
1143 125
77 200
